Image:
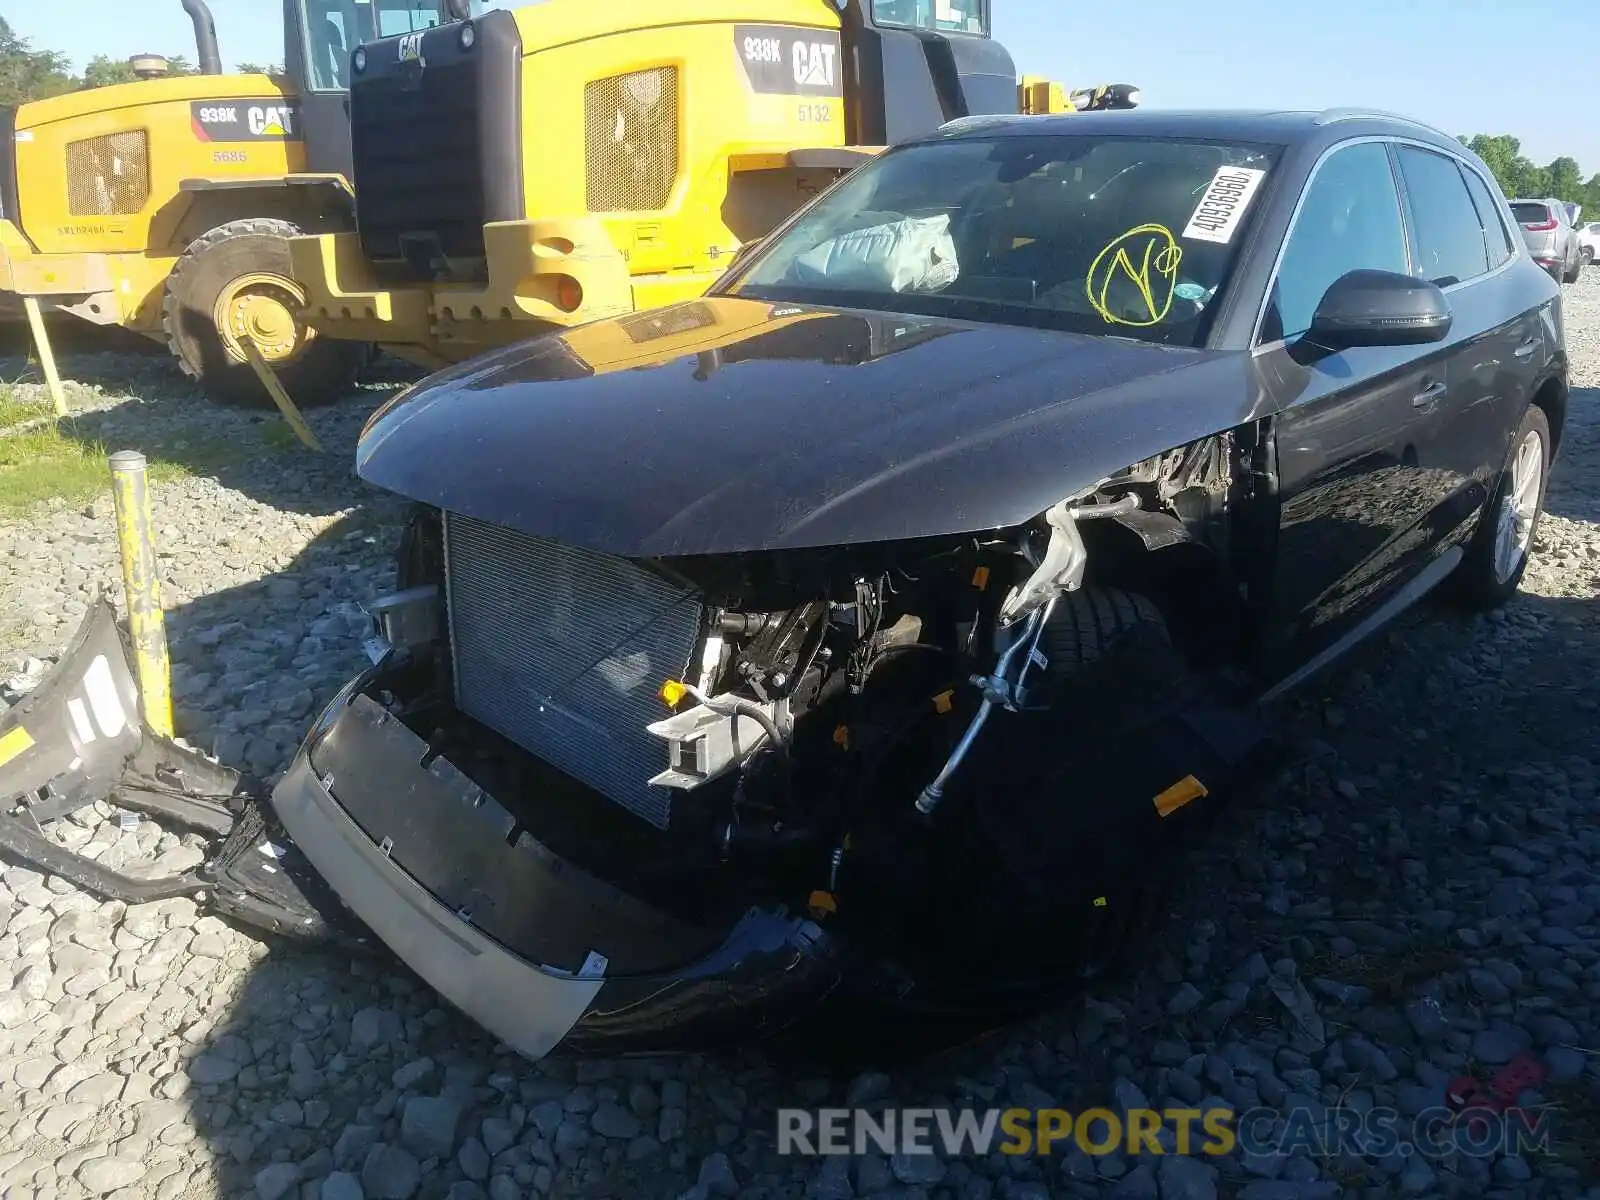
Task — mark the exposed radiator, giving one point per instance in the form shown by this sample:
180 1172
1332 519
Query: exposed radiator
563 651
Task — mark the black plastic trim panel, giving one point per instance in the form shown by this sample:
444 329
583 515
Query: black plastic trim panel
10 201
467 851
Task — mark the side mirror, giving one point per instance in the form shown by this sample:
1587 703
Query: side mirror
1380 308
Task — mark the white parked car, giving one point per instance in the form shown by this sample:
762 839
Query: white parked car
1589 243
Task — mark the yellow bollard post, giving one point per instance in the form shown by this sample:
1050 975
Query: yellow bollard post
47 358
146 621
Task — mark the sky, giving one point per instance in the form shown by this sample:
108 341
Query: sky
1455 64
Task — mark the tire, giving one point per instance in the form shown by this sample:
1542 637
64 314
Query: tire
1089 623
1478 583
1577 269
1113 664
1586 257
253 256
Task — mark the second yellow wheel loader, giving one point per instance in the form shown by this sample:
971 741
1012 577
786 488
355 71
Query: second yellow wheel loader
543 167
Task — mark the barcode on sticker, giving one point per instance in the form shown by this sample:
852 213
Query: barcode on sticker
1227 198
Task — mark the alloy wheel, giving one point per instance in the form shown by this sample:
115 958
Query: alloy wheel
1519 507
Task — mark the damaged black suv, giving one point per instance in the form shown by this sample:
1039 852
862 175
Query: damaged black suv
858 632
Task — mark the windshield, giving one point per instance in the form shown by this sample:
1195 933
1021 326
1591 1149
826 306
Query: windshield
1117 235
334 28
1531 214
945 16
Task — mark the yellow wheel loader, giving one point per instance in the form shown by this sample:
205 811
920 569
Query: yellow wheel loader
166 205
565 161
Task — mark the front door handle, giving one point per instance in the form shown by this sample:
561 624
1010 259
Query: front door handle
1527 348
1428 395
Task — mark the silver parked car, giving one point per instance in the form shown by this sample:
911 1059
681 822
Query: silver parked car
1552 241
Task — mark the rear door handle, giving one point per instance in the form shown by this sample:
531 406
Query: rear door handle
1527 348
1428 395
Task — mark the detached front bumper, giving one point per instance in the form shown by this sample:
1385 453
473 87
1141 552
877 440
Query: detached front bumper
528 1008
532 947
79 738
367 840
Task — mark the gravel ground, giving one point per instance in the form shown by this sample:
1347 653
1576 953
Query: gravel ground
1417 899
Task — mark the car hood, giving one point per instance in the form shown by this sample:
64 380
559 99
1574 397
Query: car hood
726 425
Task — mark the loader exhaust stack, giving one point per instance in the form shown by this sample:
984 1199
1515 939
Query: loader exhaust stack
205 37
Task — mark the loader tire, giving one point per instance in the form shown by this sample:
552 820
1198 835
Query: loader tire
233 282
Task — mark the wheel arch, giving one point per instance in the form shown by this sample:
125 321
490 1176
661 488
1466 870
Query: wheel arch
315 203
1551 398
1187 580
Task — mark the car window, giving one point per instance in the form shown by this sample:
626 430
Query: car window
333 29
1529 213
1128 236
1449 238
1496 236
962 16
406 16
1349 220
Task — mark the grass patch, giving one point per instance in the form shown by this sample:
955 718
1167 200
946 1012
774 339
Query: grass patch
1390 974
278 436
44 459
15 412
41 458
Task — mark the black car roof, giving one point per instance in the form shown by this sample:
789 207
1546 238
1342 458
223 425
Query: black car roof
1282 127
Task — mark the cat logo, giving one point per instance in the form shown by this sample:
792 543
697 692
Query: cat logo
245 121
814 64
779 60
271 121
411 48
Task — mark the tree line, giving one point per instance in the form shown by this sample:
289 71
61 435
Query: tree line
1559 179
30 74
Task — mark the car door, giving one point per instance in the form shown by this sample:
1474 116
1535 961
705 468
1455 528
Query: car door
1351 428
1503 347
1460 453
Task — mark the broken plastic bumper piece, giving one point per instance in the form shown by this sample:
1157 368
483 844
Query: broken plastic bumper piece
79 738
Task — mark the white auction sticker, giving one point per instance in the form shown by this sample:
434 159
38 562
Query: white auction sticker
1217 216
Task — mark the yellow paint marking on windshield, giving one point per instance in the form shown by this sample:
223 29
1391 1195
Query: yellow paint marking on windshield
1148 257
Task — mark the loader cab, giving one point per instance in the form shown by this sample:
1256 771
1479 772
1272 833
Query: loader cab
919 63
319 38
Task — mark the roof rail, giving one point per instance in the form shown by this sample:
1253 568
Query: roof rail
980 121
1332 116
